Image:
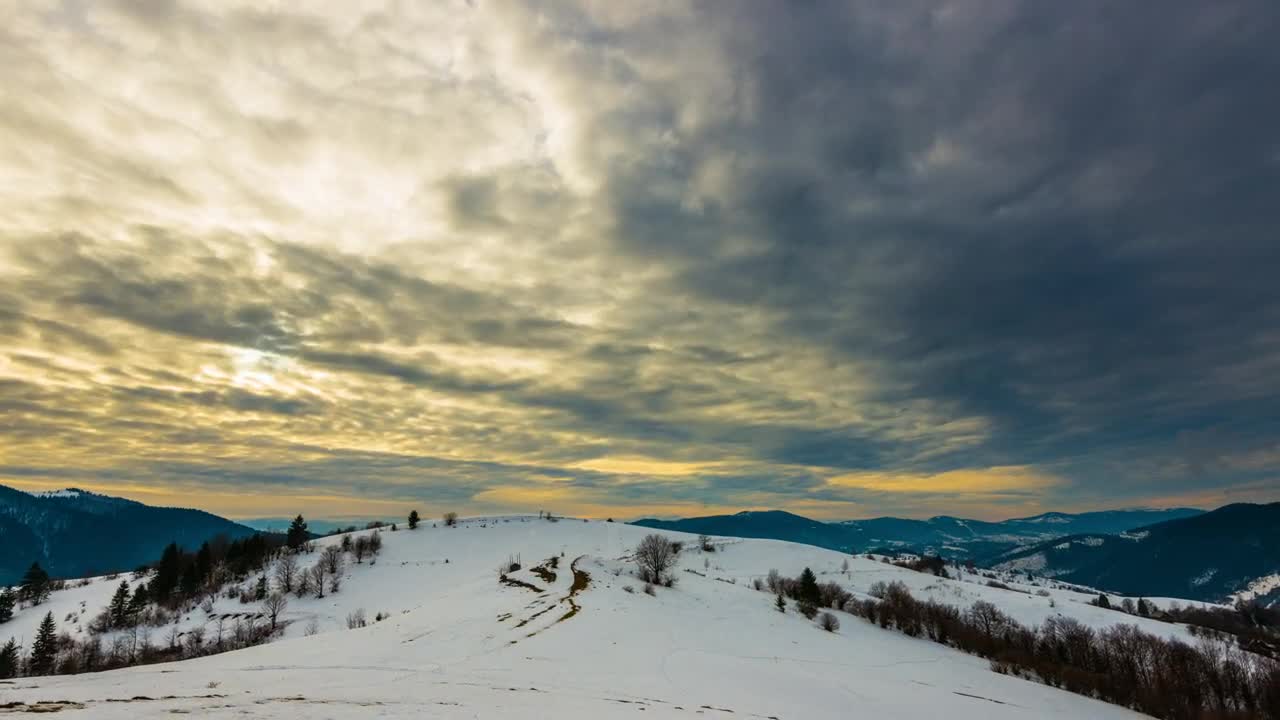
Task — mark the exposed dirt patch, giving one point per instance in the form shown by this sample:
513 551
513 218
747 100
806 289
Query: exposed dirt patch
546 573
581 579
43 706
534 616
507 580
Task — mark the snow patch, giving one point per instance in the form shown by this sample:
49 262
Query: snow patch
64 493
1204 577
1261 586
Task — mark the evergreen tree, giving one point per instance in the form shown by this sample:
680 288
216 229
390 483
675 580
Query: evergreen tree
119 607
44 650
297 535
168 573
780 603
808 590
7 601
1144 607
34 587
137 603
191 580
260 590
413 519
9 660
1104 601
204 562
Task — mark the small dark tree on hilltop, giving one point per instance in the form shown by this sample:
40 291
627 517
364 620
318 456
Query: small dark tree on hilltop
413 519
297 534
450 519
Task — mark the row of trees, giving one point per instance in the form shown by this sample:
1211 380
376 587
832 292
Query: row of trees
52 652
1212 680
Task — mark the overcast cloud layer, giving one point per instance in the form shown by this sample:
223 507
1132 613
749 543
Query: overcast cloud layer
847 259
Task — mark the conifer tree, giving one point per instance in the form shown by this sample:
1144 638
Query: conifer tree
9 660
168 573
137 603
44 650
413 519
204 562
34 587
297 535
808 590
780 603
119 608
7 601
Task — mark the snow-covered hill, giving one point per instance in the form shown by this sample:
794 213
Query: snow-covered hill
586 644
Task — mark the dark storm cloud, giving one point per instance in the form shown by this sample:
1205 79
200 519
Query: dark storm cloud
769 254
1057 216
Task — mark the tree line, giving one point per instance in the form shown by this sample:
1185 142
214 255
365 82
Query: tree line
1215 679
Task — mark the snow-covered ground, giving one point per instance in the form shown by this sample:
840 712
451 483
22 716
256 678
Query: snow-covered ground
459 644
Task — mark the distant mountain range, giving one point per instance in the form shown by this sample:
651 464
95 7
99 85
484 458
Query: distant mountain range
950 536
1180 552
1205 557
73 533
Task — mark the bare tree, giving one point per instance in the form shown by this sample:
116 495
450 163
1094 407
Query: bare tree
302 587
335 582
273 606
654 556
317 579
220 628
286 572
332 559
360 548
450 519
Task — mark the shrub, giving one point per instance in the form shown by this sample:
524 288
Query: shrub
828 622
355 619
450 519
648 589
807 609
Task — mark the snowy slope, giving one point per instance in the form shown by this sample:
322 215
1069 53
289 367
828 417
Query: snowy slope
458 644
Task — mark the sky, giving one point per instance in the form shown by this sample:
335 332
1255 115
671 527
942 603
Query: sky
982 259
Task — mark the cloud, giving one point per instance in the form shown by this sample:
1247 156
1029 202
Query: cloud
823 256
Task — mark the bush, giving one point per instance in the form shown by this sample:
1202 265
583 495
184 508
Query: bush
355 619
450 519
828 622
807 609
